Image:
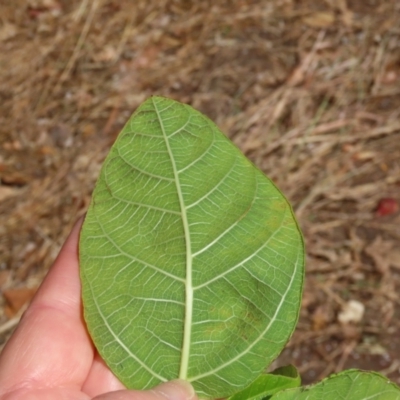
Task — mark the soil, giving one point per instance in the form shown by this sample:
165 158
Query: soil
310 92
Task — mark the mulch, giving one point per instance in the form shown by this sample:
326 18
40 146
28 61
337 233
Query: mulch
310 92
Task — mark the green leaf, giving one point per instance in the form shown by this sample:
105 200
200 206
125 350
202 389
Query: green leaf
351 385
268 384
191 259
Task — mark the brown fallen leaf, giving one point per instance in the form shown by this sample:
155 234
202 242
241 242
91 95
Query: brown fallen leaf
321 317
16 298
15 178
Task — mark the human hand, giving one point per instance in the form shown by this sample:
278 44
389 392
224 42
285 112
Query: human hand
50 356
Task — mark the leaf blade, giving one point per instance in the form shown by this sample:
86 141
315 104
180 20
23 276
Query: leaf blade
191 259
351 384
268 384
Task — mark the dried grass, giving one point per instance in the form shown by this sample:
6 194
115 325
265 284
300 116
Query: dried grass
309 90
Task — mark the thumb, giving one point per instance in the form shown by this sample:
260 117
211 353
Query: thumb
174 390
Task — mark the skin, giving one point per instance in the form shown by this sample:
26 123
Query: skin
50 356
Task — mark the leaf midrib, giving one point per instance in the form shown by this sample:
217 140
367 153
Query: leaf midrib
187 329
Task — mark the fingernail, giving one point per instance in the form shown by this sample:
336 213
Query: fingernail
177 389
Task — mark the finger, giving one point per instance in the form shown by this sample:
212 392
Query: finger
100 379
59 393
61 288
51 347
174 390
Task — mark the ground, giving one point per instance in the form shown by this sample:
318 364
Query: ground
310 92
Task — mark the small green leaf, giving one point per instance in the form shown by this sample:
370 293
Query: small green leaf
348 385
191 259
268 384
